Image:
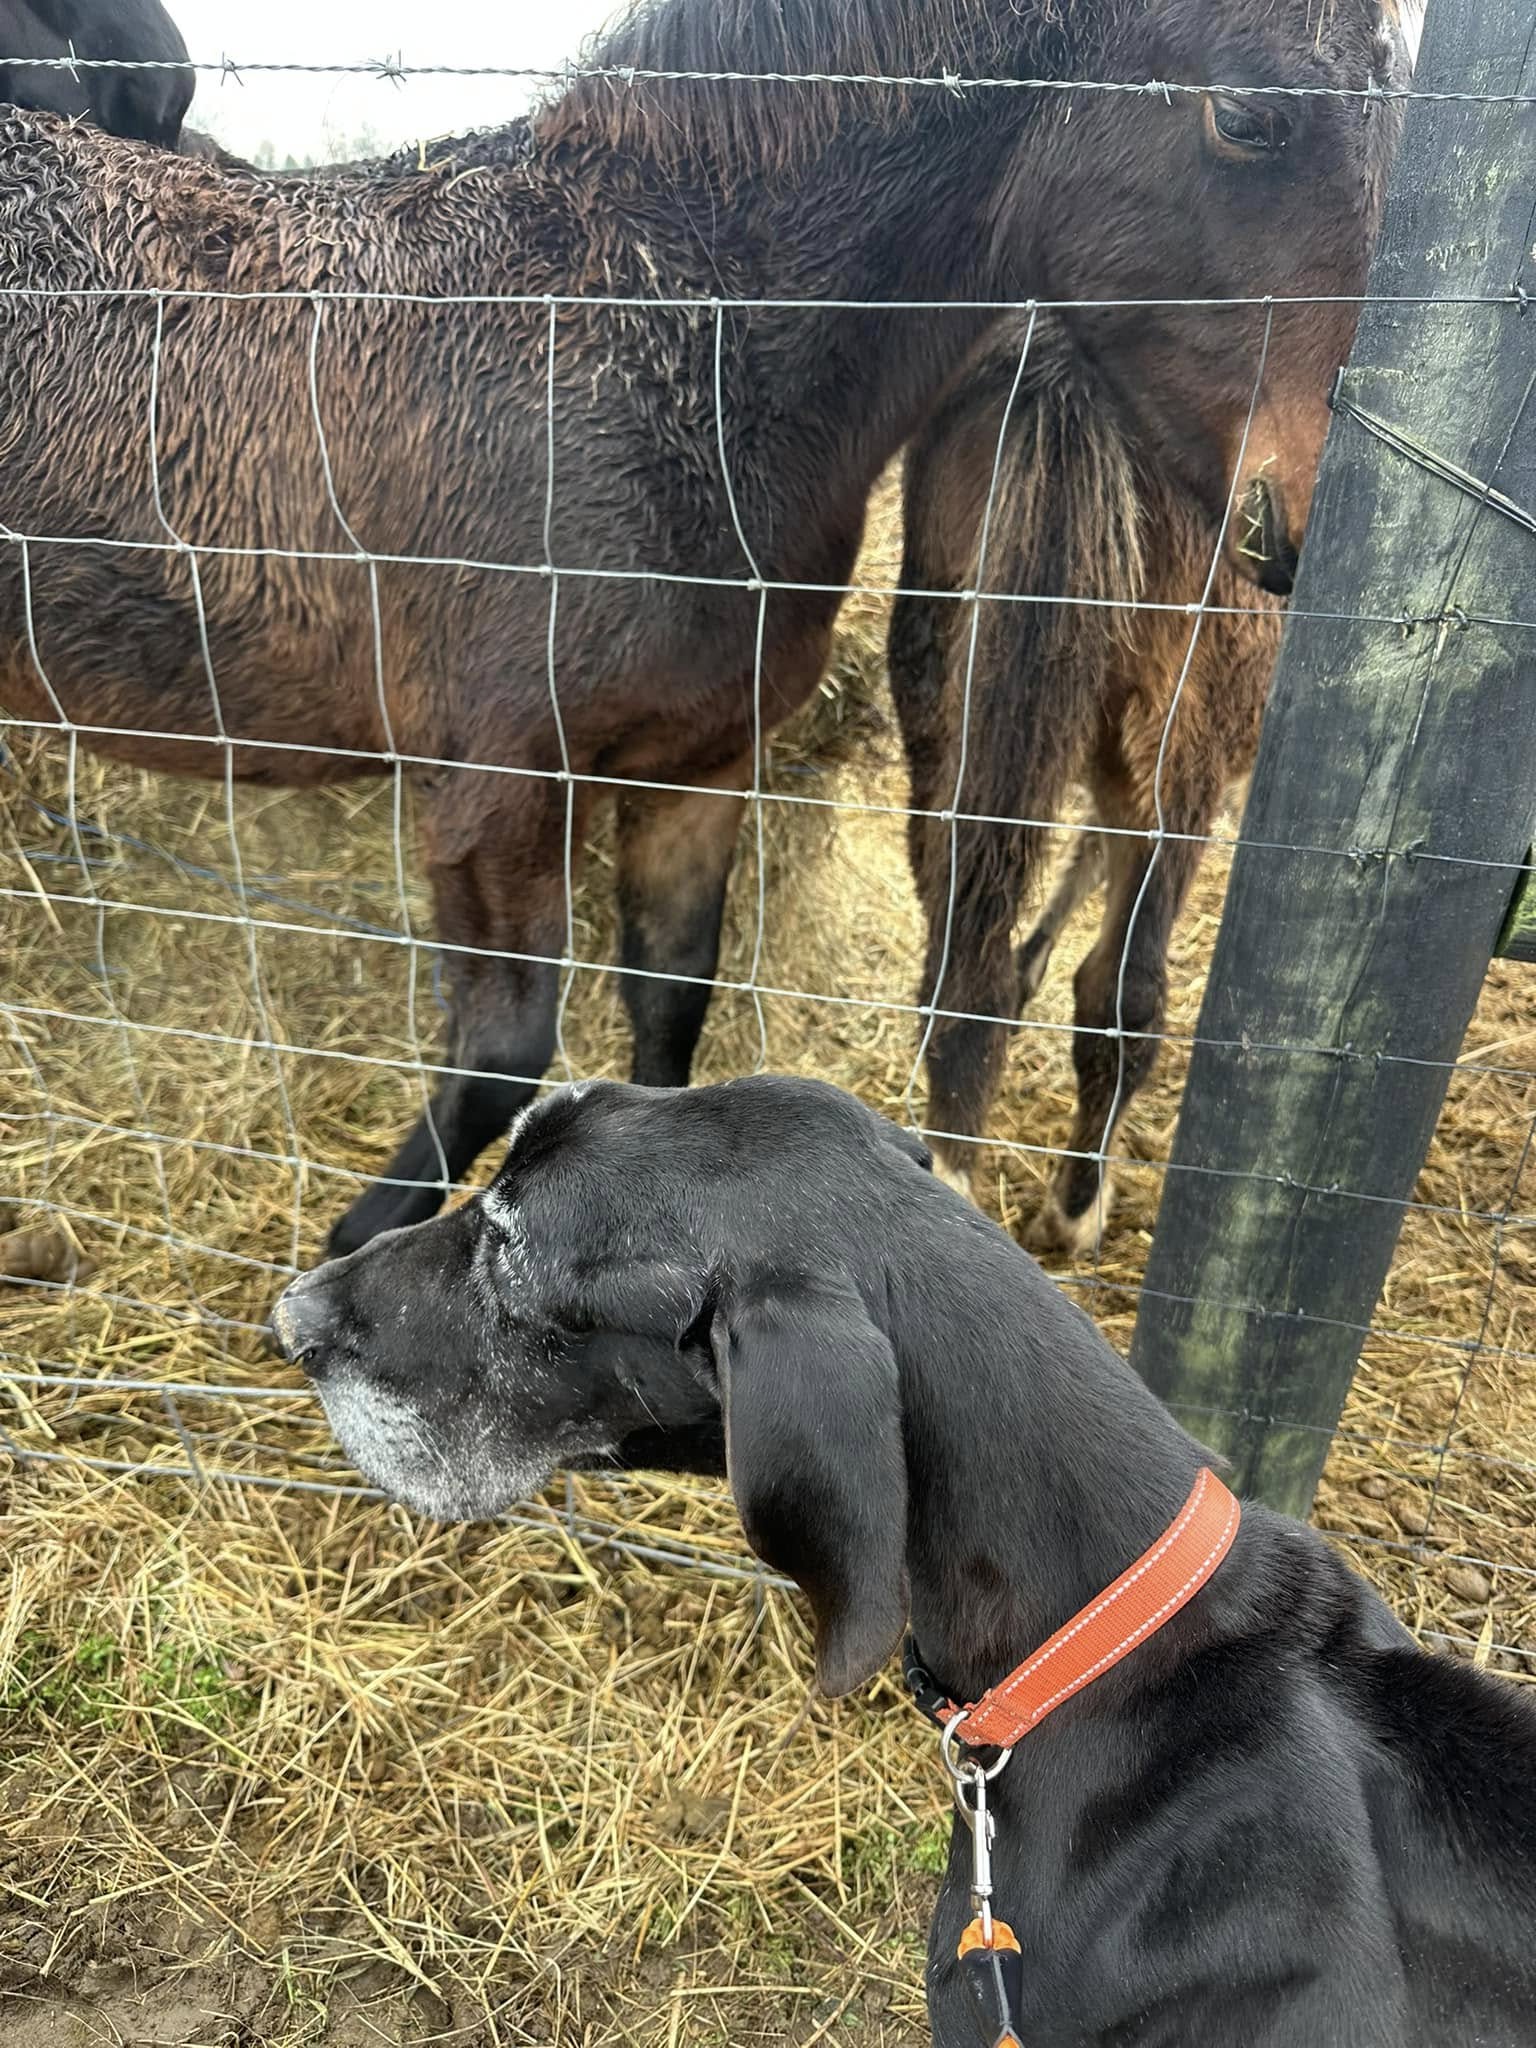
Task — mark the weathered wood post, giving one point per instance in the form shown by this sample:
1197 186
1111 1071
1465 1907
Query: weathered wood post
1392 804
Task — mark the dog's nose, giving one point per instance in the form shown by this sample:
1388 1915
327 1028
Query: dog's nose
304 1322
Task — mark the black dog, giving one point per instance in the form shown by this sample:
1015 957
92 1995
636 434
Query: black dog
1275 1824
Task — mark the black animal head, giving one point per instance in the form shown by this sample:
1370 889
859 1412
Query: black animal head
1210 246
688 1279
143 105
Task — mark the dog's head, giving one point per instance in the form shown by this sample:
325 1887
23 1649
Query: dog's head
693 1279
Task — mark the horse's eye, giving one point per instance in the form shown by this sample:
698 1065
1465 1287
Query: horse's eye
1241 125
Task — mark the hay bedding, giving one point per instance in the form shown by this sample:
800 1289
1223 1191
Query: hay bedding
283 1767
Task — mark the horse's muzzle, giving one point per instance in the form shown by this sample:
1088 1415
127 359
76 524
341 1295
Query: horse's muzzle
1261 543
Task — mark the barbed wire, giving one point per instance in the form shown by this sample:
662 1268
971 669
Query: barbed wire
395 71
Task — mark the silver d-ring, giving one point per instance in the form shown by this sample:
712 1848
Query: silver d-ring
968 1772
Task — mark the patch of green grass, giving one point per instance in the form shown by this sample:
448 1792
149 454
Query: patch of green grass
881 1855
930 1849
97 1682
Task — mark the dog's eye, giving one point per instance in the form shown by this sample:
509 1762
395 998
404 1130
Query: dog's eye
1245 127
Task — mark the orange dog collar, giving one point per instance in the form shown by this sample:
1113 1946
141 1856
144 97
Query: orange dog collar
1147 1594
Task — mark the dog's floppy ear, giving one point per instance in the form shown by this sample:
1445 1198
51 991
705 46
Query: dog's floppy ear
813 1446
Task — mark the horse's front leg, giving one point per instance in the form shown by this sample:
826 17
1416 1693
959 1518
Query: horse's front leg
496 857
674 861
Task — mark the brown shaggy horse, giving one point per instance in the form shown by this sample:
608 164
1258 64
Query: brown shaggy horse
1060 692
627 495
146 106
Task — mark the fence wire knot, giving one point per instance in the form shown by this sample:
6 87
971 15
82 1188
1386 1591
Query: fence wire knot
1449 615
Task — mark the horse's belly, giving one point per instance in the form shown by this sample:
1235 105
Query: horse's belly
298 732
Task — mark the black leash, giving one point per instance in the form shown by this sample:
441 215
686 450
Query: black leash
990 1960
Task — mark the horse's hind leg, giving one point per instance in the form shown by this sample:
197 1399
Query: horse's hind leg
499 886
970 889
969 876
1121 992
675 853
1083 873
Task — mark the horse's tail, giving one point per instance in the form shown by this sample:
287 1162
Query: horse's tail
1013 685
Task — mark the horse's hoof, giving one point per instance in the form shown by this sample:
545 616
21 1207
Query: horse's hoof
1053 1230
384 1206
960 1177
345 1237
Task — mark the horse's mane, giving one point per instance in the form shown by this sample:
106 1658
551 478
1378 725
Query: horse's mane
772 124
836 37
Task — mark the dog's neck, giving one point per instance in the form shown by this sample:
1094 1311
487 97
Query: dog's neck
1038 1466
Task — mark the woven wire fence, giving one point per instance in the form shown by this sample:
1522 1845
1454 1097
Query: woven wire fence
222 1004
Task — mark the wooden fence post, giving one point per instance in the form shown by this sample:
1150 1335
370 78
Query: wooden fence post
1391 807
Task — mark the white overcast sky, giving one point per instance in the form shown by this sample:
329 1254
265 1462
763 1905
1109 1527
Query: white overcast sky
313 117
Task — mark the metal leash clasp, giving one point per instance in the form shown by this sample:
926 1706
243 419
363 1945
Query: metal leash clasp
988 1958
983 1833
970 1780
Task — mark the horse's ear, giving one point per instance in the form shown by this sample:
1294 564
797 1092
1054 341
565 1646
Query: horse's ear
813 1449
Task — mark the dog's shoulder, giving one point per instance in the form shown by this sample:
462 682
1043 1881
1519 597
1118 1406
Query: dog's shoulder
1449 1749
1468 1735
